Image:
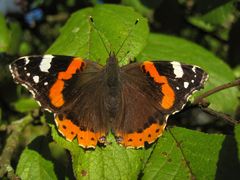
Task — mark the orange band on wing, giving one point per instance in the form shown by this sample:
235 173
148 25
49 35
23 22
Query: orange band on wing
55 93
137 140
168 93
86 138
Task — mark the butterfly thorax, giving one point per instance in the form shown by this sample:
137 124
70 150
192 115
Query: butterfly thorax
113 86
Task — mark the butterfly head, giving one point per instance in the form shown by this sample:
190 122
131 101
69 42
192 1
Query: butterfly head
112 59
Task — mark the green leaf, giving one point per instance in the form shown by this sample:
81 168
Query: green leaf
111 161
25 105
80 38
219 16
33 166
16 37
9 36
198 22
237 71
184 154
4 35
163 47
145 7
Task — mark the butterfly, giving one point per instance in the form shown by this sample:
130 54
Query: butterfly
90 100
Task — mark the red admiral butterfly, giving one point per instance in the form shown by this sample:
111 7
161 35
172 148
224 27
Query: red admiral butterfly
89 100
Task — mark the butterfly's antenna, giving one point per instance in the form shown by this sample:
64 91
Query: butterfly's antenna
94 26
129 33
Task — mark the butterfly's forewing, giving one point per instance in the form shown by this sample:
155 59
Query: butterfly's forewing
177 81
40 73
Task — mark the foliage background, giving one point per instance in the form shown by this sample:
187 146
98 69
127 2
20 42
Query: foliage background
196 32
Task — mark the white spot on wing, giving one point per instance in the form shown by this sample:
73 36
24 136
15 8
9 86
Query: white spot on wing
177 88
192 81
194 69
38 103
24 85
28 74
26 60
47 109
46 63
177 69
32 92
11 70
36 79
46 83
189 95
55 116
186 84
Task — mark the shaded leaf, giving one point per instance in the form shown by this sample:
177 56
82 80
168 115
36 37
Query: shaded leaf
146 8
16 37
33 166
237 71
4 35
10 35
228 165
219 16
204 6
25 105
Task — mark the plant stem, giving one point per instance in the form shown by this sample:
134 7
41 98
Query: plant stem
11 146
200 98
